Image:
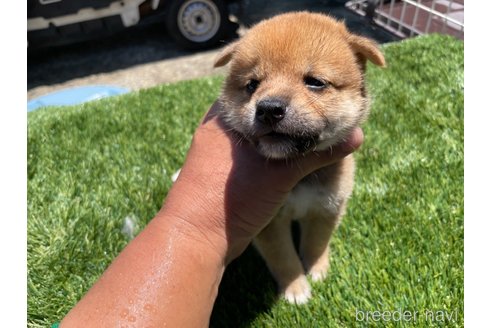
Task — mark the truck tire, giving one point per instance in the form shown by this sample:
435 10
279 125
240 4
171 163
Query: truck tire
198 24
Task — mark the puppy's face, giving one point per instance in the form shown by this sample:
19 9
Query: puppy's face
296 83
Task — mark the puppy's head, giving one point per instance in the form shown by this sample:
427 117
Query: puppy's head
296 83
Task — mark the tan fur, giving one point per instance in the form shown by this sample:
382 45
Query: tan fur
280 53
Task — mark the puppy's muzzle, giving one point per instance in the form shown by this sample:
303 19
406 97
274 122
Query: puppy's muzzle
270 111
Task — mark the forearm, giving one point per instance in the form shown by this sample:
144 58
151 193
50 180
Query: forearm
165 276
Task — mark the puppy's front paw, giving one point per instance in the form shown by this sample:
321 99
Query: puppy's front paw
298 291
319 270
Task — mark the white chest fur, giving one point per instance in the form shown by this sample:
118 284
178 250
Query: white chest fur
324 192
305 198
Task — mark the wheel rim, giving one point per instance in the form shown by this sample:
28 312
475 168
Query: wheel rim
198 20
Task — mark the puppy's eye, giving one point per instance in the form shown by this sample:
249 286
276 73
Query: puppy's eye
252 86
314 83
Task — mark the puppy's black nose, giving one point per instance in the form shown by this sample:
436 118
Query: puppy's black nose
270 111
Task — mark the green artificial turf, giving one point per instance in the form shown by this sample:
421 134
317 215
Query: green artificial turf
399 248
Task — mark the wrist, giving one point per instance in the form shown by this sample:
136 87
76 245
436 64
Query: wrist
195 220
199 212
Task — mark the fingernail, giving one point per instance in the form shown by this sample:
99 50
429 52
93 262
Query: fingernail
348 147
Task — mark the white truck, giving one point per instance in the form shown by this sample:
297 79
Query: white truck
194 24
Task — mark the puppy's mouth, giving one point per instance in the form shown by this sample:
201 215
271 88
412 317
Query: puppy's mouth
282 145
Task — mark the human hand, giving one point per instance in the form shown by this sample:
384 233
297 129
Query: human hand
227 193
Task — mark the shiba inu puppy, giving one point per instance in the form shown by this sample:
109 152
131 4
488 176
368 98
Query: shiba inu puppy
296 85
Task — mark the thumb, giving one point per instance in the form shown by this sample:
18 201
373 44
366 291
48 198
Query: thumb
317 160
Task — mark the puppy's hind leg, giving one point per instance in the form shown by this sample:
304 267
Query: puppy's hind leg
276 246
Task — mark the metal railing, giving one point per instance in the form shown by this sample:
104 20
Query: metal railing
408 18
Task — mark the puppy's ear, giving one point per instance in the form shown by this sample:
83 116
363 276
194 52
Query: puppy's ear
366 49
226 54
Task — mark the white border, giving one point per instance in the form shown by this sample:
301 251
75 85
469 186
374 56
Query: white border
13 166
478 167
